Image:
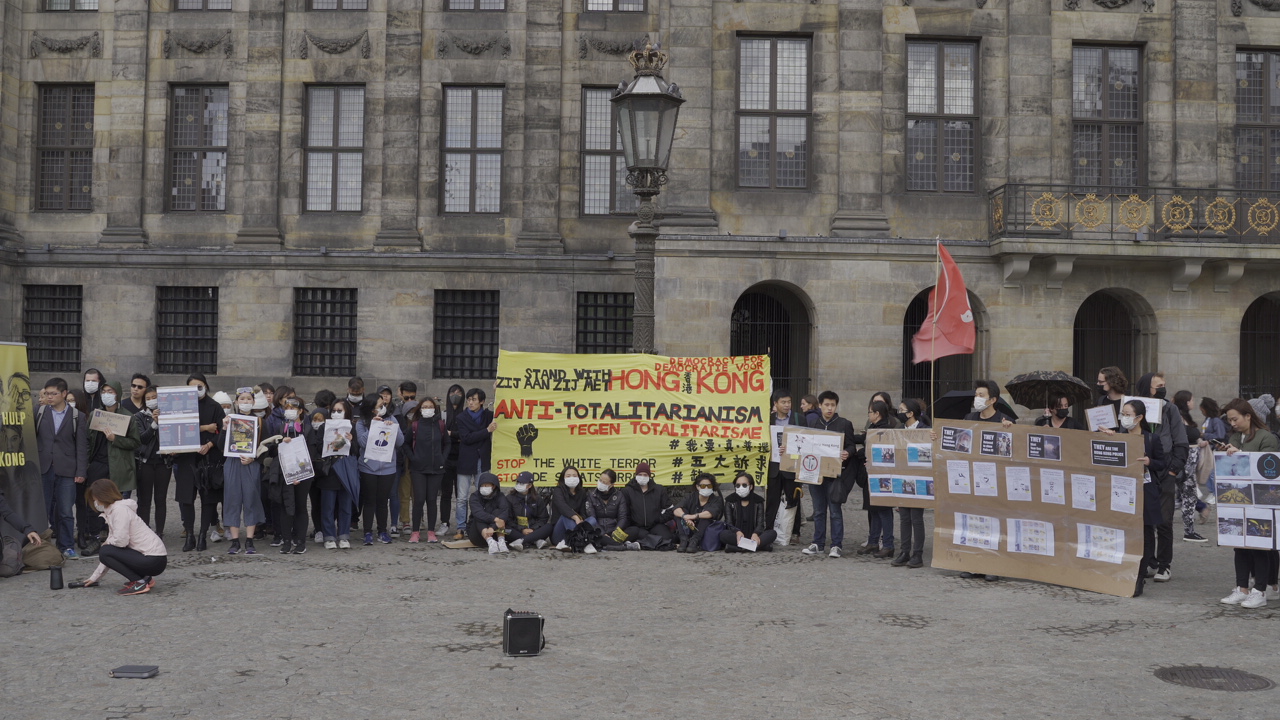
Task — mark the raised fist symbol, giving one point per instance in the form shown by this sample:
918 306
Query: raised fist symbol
525 435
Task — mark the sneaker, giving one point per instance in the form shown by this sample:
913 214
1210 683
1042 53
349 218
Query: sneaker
319 536
1163 575
299 549
541 544
384 538
286 548
1273 592
277 542
431 537
330 545
811 550
249 549
835 552
502 545
589 549
1256 599
459 535
140 586
235 547
368 538
1236 597
1151 571
395 531
344 544
215 536
562 545
493 546
414 537
1194 537
70 554
517 544
632 545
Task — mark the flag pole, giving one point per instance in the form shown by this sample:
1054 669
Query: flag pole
933 338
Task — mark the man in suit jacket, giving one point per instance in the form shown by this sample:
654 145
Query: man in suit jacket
62 434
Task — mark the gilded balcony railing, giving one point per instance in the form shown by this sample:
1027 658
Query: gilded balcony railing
1134 214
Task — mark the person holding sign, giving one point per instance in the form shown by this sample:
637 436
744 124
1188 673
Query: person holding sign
782 486
1249 434
1169 429
911 537
242 474
186 465
293 495
829 496
1133 421
119 448
650 508
153 468
697 512
379 434
475 428
340 486
745 518
532 514
1112 386
986 395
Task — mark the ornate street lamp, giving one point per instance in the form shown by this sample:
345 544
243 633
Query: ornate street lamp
646 110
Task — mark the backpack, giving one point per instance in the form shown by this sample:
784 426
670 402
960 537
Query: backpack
75 416
42 556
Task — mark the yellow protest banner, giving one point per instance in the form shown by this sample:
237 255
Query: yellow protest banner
19 457
683 416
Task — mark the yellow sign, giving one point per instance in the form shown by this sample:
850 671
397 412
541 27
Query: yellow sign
19 459
683 416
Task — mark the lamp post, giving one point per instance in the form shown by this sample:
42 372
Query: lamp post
646 111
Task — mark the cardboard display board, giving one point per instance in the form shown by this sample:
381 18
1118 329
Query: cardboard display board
1248 486
803 448
901 468
1052 505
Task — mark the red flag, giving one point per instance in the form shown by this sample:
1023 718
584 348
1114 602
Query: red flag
949 328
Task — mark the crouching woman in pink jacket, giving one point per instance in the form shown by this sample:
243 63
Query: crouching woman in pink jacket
131 548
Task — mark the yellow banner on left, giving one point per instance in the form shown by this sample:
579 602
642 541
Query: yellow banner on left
683 416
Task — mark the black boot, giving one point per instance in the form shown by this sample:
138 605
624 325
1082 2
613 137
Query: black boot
202 542
684 545
900 560
695 543
917 559
190 543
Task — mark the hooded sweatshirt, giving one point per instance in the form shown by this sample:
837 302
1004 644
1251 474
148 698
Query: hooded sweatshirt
647 508
485 510
1171 431
126 530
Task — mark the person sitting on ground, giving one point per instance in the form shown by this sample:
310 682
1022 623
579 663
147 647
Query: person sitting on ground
697 512
649 507
532 514
11 516
131 548
490 515
607 510
744 517
568 505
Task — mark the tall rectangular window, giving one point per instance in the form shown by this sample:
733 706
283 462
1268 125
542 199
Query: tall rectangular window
65 148
1106 107
335 148
70 5
1257 120
604 322
604 171
337 4
324 332
774 112
941 115
198 149
466 334
186 330
498 5
615 5
472 149
204 5
51 326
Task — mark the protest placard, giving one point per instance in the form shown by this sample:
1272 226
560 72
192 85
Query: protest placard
337 438
295 461
241 436
900 468
105 420
1248 492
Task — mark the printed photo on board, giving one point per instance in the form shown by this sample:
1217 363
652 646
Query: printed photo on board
1233 492
1044 447
920 455
1232 466
996 443
883 455
957 439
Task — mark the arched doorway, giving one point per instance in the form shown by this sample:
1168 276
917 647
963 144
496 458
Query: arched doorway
772 320
1260 348
1113 327
953 372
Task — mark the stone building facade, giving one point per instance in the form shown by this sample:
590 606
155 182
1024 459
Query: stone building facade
1086 161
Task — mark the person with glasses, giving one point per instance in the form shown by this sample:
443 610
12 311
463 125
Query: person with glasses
697 512
745 517
137 388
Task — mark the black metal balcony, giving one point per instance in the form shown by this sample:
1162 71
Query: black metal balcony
1199 215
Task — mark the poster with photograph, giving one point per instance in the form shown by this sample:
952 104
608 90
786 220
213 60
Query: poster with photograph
958 440
382 442
898 488
295 461
1259 528
1248 493
775 442
996 442
883 456
912 485
1044 447
241 437
920 455
338 439
1231 526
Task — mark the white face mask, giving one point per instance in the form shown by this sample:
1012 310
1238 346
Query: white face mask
99 506
742 490
290 414
355 398
317 425
642 479
381 411
72 403
1128 421
428 412
246 408
200 391
571 481
338 415
979 404
522 488
260 413
705 492
90 386
486 491
153 403
603 486
109 399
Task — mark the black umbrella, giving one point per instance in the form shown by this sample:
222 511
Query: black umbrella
958 403
1036 389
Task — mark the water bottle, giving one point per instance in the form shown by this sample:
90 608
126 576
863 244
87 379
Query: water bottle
55 578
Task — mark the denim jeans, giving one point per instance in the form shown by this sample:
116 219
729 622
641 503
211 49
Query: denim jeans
339 501
466 486
820 508
60 501
563 527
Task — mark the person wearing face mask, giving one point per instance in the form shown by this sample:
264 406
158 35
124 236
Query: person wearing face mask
272 498
320 409
93 382
153 468
986 396
242 482
744 517
403 405
426 447
453 407
697 512
607 509
186 465
290 500
1172 433
568 505
532 514
911 537
650 508
355 396
131 548
117 449
224 400
1112 387
911 415
491 518
1188 485
1058 415
1133 421
339 481
1249 433
475 428
879 518
376 477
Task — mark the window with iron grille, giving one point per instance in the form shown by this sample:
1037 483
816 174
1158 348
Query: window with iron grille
1106 104
335 148
774 112
198 149
604 171
604 322
51 317
466 334
497 5
337 4
942 115
65 150
204 5
324 332
186 329
1257 120
472 149
615 5
70 5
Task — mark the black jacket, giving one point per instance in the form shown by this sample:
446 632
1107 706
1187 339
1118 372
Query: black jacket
485 510
1070 423
531 507
609 510
148 438
11 516
564 504
647 509
451 424
1152 508
426 444
715 505
66 451
839 488
476 441
1171 431
749 520
792 419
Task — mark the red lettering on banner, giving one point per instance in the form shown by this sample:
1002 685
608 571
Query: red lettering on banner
511 464
508 410
546 406
596 429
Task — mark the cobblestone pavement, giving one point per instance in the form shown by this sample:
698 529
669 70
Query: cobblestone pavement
405 631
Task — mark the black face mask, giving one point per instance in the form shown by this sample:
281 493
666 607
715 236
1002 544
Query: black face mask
1062 413
1102 389
902 418
1159 393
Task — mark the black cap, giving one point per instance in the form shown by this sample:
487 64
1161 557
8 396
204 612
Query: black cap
524 477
